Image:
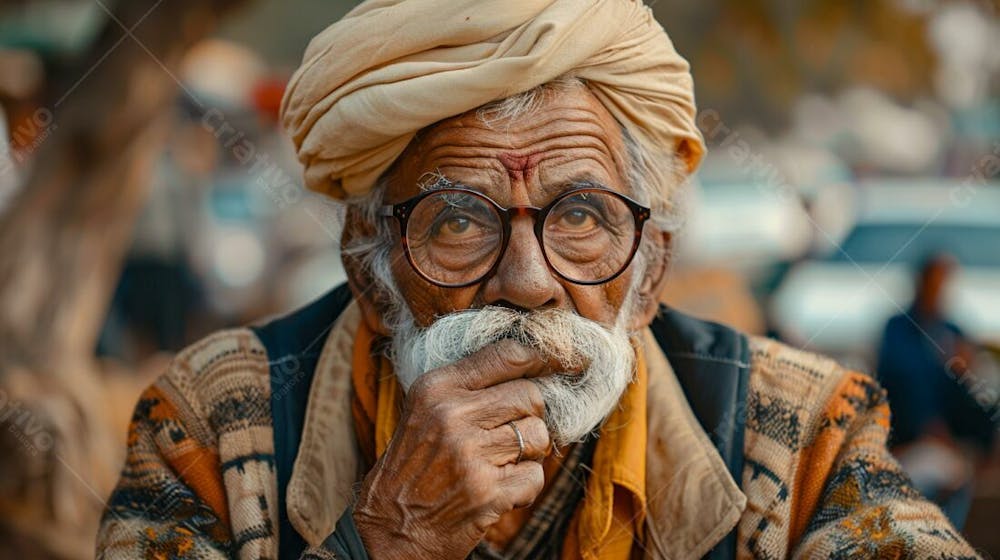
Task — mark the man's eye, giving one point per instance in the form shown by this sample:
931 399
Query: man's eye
456 226
578 218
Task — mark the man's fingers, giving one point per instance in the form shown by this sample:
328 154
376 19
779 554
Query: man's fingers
520 484
502 361
499 404
503 446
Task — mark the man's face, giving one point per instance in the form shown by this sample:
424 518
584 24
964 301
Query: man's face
529 161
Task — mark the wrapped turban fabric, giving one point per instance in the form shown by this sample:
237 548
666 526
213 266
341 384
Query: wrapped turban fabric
389 68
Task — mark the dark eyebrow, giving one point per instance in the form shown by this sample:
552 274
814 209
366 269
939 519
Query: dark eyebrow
585 183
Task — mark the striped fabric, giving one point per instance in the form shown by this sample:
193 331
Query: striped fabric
818 478
199 479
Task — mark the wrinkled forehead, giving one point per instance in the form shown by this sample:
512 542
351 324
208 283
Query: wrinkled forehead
566 138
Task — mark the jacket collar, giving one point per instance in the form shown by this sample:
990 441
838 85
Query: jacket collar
693 501
329 461
692 498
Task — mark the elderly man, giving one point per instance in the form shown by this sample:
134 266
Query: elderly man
499 381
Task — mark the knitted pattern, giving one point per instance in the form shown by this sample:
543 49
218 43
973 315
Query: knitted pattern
199 479
819 480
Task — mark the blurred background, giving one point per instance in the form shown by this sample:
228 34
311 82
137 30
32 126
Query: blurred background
849 205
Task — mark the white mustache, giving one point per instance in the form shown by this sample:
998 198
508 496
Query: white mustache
598 361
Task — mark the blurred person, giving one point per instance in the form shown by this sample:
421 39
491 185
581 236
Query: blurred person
498 379
922 363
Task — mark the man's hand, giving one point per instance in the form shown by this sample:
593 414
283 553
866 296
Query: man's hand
448 473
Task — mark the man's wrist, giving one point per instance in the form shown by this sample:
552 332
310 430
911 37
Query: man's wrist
345 540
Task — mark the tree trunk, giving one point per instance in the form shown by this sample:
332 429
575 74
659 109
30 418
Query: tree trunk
62 238
62 242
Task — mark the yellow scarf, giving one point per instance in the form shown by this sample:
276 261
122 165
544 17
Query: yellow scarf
610 517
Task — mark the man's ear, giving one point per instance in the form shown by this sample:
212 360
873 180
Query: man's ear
359 278
653 282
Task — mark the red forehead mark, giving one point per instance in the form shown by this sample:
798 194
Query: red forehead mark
518 165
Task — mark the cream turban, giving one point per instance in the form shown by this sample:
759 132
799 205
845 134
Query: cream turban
389 68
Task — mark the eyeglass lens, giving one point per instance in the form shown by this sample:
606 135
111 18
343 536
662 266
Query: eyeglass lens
456 237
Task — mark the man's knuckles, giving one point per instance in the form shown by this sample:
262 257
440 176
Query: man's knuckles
494 363
429 386
510 487
481 489
536 439
521 394
510 353
508 401
523 483
535 434
503 447
534 479
532 402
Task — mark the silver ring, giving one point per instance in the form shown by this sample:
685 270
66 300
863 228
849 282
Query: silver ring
520 441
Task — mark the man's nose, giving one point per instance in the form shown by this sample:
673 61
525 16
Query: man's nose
523 278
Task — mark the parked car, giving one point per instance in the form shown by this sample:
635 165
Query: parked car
840 302
737 220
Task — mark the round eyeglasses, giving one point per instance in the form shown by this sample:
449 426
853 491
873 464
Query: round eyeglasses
456 237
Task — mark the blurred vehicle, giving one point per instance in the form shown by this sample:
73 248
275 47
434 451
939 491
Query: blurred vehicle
838 303
735 223
739 219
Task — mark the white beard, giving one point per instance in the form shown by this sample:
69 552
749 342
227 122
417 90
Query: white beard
575 403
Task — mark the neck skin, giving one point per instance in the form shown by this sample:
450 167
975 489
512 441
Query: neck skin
501 533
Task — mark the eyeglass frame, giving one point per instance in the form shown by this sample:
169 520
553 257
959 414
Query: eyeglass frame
402 211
